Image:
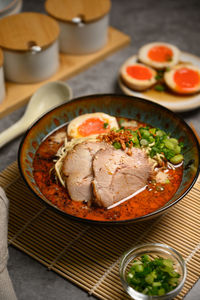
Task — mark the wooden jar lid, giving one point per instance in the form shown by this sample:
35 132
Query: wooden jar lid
18 32
1 57
87 10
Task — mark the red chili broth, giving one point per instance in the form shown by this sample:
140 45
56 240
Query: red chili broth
144 203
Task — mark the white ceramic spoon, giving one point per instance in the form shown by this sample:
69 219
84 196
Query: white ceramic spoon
45 98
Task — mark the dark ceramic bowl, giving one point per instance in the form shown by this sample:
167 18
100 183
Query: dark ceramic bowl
120 106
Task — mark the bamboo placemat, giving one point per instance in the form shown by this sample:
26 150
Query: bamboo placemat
89 255
18 95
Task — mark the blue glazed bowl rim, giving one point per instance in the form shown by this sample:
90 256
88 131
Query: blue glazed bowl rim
115 222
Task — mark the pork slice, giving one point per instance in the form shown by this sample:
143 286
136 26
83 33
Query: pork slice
118 175
105 164
77 170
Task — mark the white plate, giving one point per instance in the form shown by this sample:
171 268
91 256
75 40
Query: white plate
177 103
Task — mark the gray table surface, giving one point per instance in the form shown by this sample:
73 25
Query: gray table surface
176 22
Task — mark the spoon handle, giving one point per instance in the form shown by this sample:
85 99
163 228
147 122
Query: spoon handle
12 132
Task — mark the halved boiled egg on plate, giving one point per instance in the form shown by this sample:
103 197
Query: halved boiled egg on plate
91 124
159 55
137 76
183 79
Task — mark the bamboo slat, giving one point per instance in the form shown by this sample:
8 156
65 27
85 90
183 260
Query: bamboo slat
89 255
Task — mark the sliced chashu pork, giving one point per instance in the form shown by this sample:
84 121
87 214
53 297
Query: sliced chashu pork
118 175
77 170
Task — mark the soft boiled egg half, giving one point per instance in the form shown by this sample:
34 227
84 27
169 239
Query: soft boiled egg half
137 76
91 124
183 79
159 55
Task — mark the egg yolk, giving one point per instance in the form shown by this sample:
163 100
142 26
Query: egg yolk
92 126
186 78
160 54
139 72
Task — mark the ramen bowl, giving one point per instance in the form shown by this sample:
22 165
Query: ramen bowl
119 106
153 250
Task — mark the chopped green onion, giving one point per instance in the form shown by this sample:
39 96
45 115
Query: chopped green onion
153 276
135 141
145 258
149 278
117 145
144 133
173 281
156 283
177 159
168 263
143 142
139 268
159 87
174 141
158 77
161 292
152 130
160 132
177 149
156 141
151 139
169 144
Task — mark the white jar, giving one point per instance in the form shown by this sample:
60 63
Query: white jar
83 24
31 51
2 81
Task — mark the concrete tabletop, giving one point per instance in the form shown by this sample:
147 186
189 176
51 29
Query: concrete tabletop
176 22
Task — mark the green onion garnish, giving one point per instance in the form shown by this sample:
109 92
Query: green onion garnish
153 276
155 141
117 145
159 87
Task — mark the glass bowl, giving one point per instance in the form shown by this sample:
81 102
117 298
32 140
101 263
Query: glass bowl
153 250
